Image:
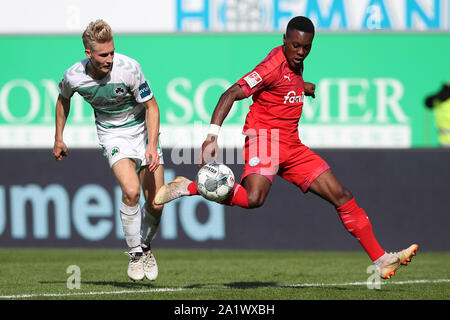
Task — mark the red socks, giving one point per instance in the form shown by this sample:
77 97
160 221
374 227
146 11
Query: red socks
237 197
357 223
192 188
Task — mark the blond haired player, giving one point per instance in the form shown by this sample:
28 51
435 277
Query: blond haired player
127 120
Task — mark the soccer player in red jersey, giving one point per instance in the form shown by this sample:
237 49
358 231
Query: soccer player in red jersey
272 144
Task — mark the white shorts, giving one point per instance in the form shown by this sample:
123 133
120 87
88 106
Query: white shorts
117 146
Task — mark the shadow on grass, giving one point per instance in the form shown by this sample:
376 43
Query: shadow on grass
257 285
147 285
242 285
250 285
232 285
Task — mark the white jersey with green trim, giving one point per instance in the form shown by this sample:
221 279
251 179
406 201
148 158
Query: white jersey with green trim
117 98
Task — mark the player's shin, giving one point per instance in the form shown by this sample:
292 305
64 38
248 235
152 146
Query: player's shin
131 223
150 225
357 223
238 197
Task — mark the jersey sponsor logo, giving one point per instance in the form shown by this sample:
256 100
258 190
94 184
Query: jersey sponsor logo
287 77
253 79
291 97
144 90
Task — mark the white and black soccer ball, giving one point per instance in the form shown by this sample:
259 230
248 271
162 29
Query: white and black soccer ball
215 181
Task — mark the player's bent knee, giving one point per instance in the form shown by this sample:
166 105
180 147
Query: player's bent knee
131 195
255 200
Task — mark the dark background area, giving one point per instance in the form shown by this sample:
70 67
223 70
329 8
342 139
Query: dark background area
405 193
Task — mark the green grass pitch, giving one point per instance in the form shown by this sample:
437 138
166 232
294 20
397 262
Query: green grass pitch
217 275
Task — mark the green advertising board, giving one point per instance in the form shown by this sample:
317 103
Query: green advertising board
370 87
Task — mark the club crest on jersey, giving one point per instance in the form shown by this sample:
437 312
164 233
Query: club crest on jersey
291 97
119 91
115 151
254 161
253 79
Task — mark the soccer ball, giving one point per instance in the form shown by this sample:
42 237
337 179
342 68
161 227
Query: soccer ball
215 181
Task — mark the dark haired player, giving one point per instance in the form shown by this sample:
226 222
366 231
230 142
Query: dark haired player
272 144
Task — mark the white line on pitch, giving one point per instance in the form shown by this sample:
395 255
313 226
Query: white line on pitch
301 285
362 283
20 296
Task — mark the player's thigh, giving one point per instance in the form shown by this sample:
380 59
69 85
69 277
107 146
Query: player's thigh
125 172
151 183
328 187
302 166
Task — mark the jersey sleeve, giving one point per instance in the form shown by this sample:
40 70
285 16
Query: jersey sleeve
138 84
64 87
256 80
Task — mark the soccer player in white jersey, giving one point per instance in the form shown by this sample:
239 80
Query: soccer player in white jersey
127 120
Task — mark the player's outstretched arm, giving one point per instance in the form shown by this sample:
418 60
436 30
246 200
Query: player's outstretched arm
62 110
152 122
223 107
210 148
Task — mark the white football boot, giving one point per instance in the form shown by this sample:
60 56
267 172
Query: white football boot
395 260
173 190
136 266
150 266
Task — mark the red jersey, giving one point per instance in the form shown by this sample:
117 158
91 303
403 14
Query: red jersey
278 95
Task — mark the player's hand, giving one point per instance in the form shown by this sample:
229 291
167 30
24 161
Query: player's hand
152 157
310 88
209 151
59 150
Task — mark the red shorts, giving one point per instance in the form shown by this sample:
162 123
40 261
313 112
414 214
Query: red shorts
291 160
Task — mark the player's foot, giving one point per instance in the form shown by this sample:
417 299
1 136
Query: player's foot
407 254
173 190
395 260
390 264
150 266
136 266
